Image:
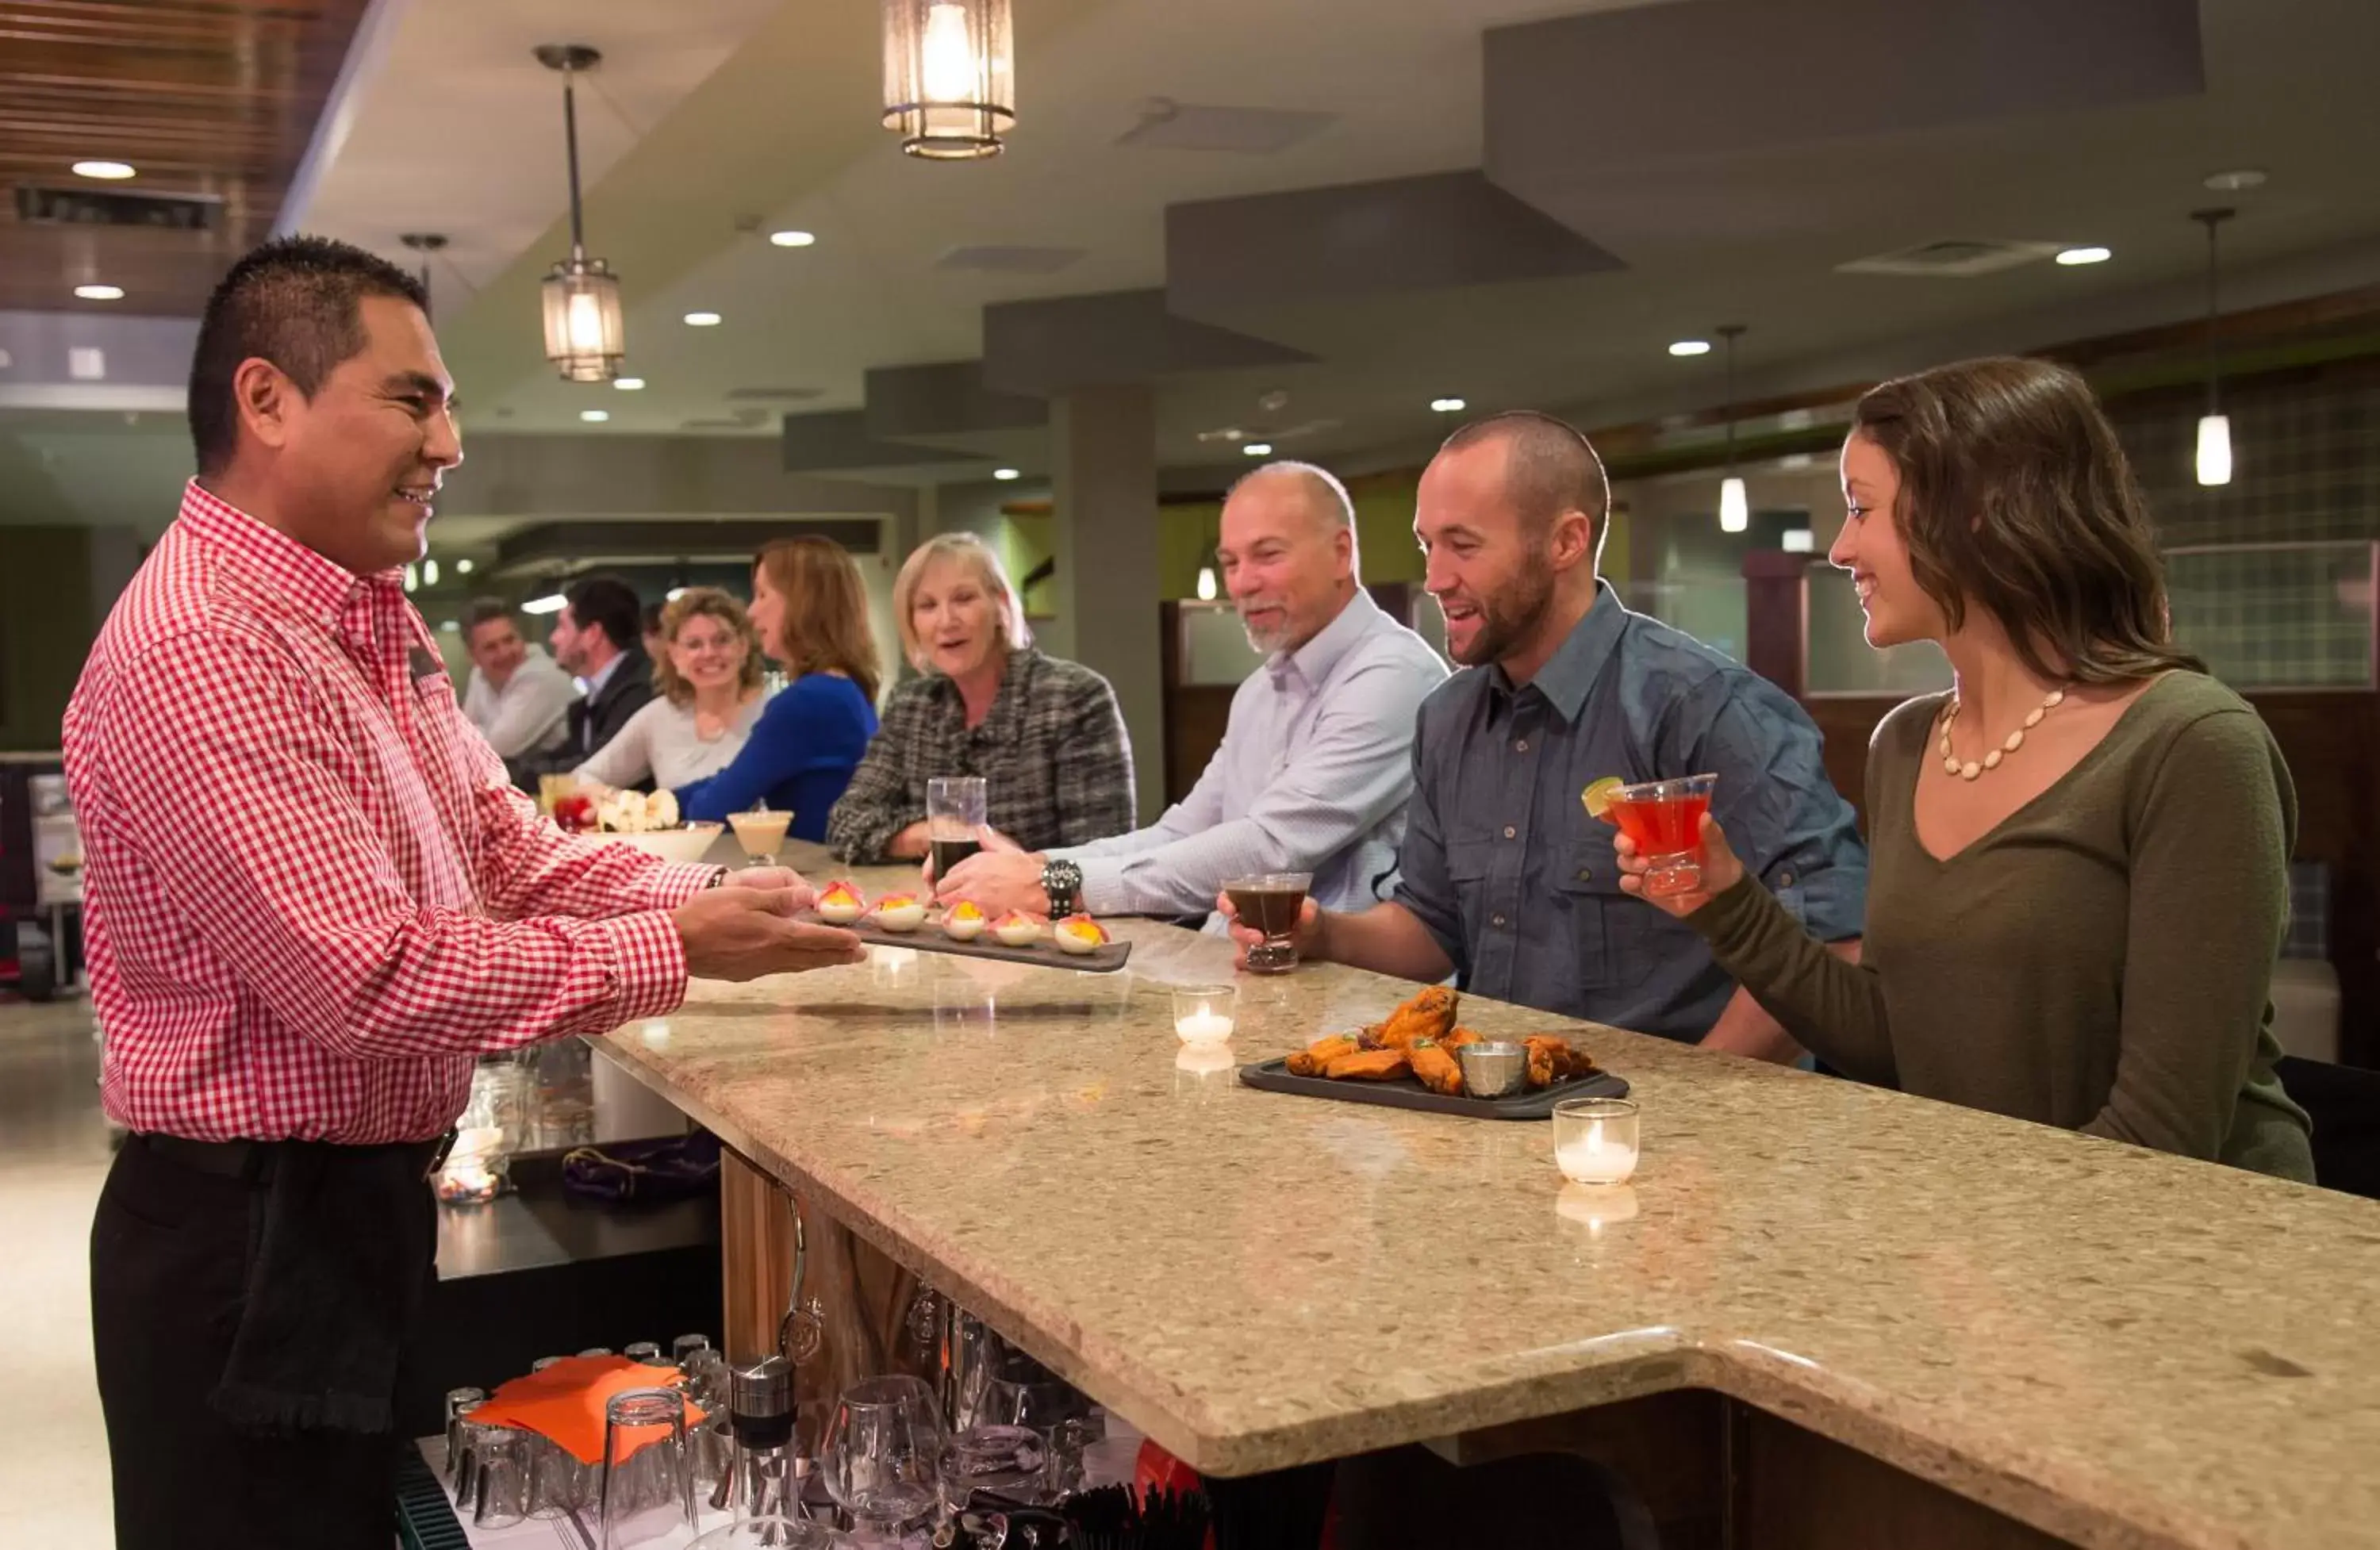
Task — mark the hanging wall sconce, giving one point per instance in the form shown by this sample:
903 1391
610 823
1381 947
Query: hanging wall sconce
2214 459
1734 500
950 78
585 336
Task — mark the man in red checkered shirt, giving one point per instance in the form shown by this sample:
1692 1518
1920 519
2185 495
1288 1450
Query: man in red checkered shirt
313 902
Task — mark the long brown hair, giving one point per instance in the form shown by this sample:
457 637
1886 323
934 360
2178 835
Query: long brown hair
708 603
825 627
2017 499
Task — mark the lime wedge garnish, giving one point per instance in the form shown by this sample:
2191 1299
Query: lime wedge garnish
1596 798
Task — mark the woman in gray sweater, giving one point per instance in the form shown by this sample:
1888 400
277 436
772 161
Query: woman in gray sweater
2079 855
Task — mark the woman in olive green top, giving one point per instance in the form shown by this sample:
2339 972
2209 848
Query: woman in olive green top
2079 856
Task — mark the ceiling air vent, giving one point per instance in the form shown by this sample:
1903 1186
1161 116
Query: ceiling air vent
996 259
1959 259
91 207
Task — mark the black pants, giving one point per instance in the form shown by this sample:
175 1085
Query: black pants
170 1252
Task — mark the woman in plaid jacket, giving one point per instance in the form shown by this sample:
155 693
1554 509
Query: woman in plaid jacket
1046 735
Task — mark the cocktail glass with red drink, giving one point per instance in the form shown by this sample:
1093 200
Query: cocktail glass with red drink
1665 820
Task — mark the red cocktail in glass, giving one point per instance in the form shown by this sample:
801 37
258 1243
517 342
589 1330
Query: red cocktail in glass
1665 820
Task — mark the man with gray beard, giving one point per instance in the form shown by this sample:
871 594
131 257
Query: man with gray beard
1316 763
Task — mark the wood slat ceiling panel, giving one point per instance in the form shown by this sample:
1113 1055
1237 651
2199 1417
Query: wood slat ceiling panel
203 96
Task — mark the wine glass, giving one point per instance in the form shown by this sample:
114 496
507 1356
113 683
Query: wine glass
881 1454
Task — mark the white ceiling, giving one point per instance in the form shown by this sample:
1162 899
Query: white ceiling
738 109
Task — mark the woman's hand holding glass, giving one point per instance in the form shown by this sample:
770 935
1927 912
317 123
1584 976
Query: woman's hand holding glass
1721 870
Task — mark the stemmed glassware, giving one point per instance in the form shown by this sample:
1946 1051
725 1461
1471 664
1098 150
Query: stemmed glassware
881 1454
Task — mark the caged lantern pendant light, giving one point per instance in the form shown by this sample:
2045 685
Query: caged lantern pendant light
1734 502
585 335
2214 459
950 77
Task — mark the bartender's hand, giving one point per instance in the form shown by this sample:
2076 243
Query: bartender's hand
1720 871
744 933
768 878
1308 935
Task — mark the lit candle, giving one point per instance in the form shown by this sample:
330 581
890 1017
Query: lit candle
1597 1158
1204 1025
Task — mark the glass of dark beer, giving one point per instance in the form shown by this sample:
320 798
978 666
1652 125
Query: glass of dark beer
955 807
1269 902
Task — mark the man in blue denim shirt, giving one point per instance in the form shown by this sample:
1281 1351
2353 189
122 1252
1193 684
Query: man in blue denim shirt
1508 884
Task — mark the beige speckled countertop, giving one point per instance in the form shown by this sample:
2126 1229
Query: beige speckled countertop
2117 1347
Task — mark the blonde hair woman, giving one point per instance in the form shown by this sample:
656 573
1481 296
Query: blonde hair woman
809 613
708 675
1045 734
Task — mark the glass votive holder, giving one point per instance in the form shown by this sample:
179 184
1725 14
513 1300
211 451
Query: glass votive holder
1595 1140
1205 1013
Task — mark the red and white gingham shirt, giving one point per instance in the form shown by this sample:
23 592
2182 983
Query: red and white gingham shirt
311 898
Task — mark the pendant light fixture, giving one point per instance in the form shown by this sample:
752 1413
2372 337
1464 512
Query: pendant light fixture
585 335
950 78
1734 502
2214 459
425 244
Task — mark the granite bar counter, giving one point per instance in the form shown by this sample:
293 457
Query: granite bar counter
2108 1345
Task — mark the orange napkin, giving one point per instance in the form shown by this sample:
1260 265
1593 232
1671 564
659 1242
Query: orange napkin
566 1402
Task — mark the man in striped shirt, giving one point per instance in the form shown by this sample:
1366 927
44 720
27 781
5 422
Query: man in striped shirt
1315 764
313 901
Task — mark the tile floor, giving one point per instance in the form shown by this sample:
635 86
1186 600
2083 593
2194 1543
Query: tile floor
54 1150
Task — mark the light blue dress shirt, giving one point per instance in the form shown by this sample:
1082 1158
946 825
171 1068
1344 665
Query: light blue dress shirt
1313 776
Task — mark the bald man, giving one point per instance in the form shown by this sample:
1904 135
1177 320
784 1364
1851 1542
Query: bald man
1316 762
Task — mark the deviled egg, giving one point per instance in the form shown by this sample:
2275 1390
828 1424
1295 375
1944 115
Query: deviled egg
963 922
841 903
900 912
1080 934
1017 929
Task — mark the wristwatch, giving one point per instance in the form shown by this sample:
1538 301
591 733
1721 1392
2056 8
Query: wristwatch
1063 881
718 878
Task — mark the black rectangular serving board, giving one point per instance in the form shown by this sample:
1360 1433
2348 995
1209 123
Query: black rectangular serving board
1406 1092
928 937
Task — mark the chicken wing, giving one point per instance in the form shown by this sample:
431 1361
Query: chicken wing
1458 1038
1369 1065
1437 1067
1310 1061
1428 1015
1553 1058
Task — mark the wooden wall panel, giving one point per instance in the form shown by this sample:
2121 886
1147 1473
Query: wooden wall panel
213 97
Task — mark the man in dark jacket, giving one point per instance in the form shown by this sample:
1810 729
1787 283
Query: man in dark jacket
598 639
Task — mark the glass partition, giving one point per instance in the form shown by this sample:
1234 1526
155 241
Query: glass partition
2264 616
2279 615
1836 657
1215 650
1708 607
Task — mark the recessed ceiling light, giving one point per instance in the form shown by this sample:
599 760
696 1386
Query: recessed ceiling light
1257 449
552 602
594 417
629 384
462 567
1004 473
1690 348
2070 257
793 239
1447 405
2232 182
100 293
113 172
702 319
